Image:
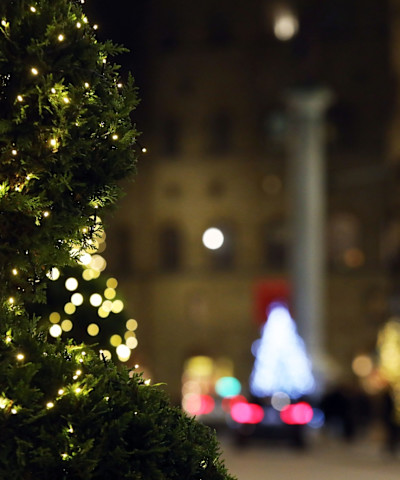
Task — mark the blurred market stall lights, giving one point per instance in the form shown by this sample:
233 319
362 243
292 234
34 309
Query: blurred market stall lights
362 365
250 413
297 414
228 387
197 404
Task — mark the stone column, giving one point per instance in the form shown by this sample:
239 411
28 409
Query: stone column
306 189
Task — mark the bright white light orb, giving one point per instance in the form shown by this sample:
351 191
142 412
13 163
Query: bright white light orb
213 238
85 258
77 299
71 284
95 300
123 352
55 330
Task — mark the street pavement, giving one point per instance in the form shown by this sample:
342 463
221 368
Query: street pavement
325 458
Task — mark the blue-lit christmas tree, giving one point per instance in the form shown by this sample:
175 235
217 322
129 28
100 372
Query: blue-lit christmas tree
281 363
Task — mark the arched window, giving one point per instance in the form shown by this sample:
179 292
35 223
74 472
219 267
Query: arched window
170 245
122 248
220 133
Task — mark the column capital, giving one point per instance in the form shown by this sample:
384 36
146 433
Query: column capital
309 102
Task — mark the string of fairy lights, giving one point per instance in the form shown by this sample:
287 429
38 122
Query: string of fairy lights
59 97
77 385
106 303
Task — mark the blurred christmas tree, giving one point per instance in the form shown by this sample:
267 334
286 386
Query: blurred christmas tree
281 363
66 138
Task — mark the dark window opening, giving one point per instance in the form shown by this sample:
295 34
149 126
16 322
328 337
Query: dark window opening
170 248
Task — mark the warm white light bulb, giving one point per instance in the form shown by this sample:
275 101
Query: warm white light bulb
14 152
61 37
115 137
78 24
95 27
20 356
20 98
34 70
14 271
66 100
49 404
33 9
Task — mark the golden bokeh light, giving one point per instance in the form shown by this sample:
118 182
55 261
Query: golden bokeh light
67 325
93 329
117 306
131 324
112 283
54 317
115 340
109 293
69 308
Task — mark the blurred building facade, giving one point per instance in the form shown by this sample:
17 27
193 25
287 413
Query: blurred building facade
214 80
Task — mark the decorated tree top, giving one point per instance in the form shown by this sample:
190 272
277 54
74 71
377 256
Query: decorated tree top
66 138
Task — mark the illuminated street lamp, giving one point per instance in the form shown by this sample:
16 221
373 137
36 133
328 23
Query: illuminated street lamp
213 238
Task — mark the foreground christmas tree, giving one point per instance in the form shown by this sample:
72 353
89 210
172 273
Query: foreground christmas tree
66 138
